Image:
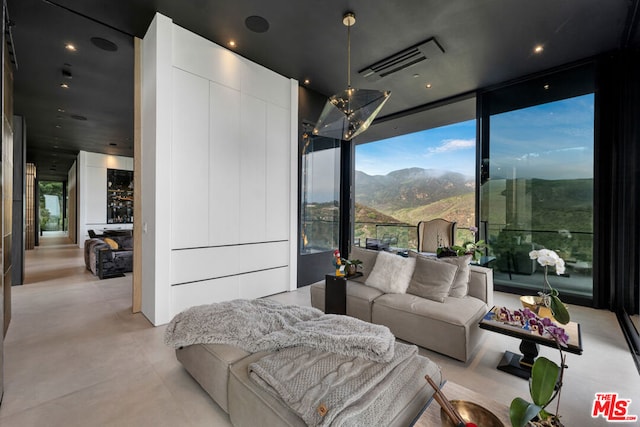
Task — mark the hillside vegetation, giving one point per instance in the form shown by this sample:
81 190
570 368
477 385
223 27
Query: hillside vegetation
409 188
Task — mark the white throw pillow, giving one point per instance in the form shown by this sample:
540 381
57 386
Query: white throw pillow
391 273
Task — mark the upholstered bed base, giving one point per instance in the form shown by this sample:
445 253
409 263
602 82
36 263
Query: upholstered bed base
222 371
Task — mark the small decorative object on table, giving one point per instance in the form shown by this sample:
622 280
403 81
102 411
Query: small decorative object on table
549 297
345 266
337 263
351 266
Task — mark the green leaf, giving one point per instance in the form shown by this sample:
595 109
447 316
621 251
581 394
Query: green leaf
544 375
521 412
559 310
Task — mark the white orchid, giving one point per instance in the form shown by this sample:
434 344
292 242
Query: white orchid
547 257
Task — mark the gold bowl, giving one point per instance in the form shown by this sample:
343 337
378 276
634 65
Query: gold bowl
471 413
536 305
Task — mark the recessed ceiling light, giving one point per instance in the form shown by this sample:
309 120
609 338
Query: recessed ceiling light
428 85
232 43
307 81
546 87
415 76
70 47
61 110
538 49
58 126
64 85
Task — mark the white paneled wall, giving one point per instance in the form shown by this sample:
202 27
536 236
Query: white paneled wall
233 147
277 175
190 161
224 158
253 145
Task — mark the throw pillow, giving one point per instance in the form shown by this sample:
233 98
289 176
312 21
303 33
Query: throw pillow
460 286
391 273
432 279
368 258
112 243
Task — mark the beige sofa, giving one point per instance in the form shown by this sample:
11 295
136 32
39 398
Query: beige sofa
449 327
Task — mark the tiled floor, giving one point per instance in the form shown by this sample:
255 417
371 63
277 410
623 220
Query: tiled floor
76 356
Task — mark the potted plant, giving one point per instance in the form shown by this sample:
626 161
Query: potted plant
351 265
545 383
549 296
345 266
467 248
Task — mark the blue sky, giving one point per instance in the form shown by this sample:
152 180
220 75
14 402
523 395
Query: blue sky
451 147
550 141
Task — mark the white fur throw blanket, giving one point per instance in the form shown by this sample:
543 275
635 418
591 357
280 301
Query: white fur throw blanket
330 389
265 325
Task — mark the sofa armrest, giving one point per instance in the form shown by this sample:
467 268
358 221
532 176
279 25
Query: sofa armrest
481 284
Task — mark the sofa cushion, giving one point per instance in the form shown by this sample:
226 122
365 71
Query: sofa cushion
450 328
209 365
432 279
112 243
124 242
391 273
460 286
368 258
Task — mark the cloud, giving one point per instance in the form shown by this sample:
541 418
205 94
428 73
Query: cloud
453 145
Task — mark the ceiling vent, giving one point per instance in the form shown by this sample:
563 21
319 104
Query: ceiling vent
428 49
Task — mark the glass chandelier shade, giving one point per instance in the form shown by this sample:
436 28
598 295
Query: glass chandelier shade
349 113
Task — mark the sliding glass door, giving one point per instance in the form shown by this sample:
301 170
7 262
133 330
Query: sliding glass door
537 192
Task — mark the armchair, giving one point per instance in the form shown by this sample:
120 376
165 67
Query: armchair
434 233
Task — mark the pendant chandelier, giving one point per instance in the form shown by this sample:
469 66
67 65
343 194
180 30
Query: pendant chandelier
350 112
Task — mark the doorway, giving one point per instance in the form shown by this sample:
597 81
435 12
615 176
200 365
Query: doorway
52 206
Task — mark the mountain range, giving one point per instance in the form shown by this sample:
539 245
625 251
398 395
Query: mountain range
409 188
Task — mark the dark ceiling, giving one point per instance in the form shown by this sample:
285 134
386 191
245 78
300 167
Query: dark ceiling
485 43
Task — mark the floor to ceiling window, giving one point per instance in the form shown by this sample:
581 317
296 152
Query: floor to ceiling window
538 190
419 176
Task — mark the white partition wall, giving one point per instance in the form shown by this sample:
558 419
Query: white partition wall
219 155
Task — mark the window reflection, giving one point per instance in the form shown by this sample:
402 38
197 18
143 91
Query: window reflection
320 207
540 192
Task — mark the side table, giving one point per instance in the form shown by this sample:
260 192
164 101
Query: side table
520 365
335 293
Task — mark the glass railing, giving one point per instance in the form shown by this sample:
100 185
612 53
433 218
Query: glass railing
514 268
